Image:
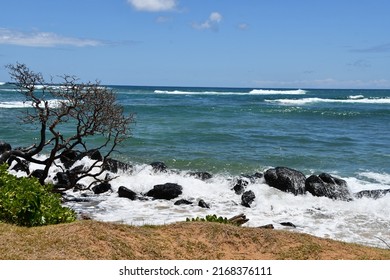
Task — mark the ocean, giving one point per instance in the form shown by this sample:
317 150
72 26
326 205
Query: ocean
231 132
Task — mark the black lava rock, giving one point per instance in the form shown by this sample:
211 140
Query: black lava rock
166 191
286 179
328 186
247 198
127 193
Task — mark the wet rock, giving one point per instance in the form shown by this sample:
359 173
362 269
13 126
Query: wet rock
374 194
21 164
127 193
101 188
247 198
159 166
62 178
253 178
93 154
201 175
68 158
183 201
268 226
288 224
328 186
63 182
203 204
239 186
4 147
114 165
286 179
166 191
77 169
37 173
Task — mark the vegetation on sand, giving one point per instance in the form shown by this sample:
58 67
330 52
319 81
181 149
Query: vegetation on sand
25 202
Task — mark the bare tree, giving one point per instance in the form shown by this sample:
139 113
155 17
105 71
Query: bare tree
81 111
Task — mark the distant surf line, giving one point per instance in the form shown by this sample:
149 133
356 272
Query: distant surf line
312 100
252 92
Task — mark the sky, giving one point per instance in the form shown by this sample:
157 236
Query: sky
204 43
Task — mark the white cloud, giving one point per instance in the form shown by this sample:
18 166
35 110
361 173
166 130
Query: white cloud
153 5
215 17
211 23
42 39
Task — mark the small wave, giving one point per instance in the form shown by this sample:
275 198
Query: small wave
14 104
252 92
305 101
8 90
184 92
2 83
356 96
382 178
179 92
20 104
267 91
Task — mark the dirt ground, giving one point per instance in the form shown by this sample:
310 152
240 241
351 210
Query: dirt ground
91 240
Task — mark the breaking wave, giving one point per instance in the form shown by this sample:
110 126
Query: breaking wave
251 92
20 104
288 92
311 100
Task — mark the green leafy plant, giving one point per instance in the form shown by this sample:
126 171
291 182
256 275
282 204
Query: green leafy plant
210 218
236 220
25 202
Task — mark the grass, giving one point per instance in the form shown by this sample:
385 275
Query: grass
92 240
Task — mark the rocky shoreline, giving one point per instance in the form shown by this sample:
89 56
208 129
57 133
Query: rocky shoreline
284 179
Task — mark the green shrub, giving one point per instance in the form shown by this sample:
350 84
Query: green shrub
25 202
210 218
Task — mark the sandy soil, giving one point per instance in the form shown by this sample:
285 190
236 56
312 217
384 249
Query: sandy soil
187 241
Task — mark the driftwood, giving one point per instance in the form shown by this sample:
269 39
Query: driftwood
238 220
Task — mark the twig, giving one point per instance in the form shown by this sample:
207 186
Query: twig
388 246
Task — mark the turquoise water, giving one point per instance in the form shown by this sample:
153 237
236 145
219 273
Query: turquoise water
239 130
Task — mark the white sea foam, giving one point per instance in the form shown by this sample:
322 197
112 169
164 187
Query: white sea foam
187 92
304 101
360 221
8 89
268 92
2 83
20 104
356 96
14 104
252 92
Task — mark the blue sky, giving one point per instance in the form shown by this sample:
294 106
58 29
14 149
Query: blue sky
232 43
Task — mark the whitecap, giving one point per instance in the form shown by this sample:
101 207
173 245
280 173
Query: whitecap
356 96
304 101
21 104
179 92
269 92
